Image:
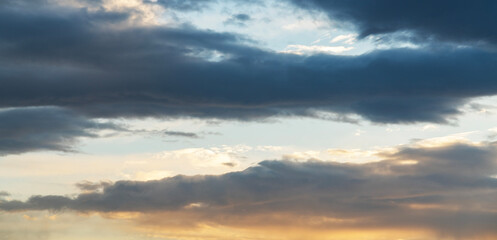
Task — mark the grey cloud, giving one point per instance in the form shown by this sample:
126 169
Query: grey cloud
229 164
4 194
182 5
181 134
197 5
44 128
239 19
87 186
79 64
453 183
447 20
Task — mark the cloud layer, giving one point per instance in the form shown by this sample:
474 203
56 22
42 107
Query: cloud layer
93 62
447 189
101 71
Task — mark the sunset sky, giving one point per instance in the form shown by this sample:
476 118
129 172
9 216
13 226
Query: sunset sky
248 119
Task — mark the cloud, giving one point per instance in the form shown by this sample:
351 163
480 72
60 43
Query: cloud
45 128
206 157
239 19
87 186
73 59
315 49
346 38
198 5
181 134
447 189
4 194
447 20
182 5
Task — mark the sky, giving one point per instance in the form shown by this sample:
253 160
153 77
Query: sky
255 119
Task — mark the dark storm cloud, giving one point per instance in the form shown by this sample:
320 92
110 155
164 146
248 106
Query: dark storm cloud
452 183
448 20
44 128
74 59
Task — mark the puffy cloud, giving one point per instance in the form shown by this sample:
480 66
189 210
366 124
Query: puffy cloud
447 189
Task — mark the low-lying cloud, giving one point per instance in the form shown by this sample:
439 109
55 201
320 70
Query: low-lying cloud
447 189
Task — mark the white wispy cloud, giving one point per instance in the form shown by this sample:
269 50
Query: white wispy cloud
345 38
315 49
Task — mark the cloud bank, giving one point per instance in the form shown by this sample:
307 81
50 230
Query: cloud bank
447 189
